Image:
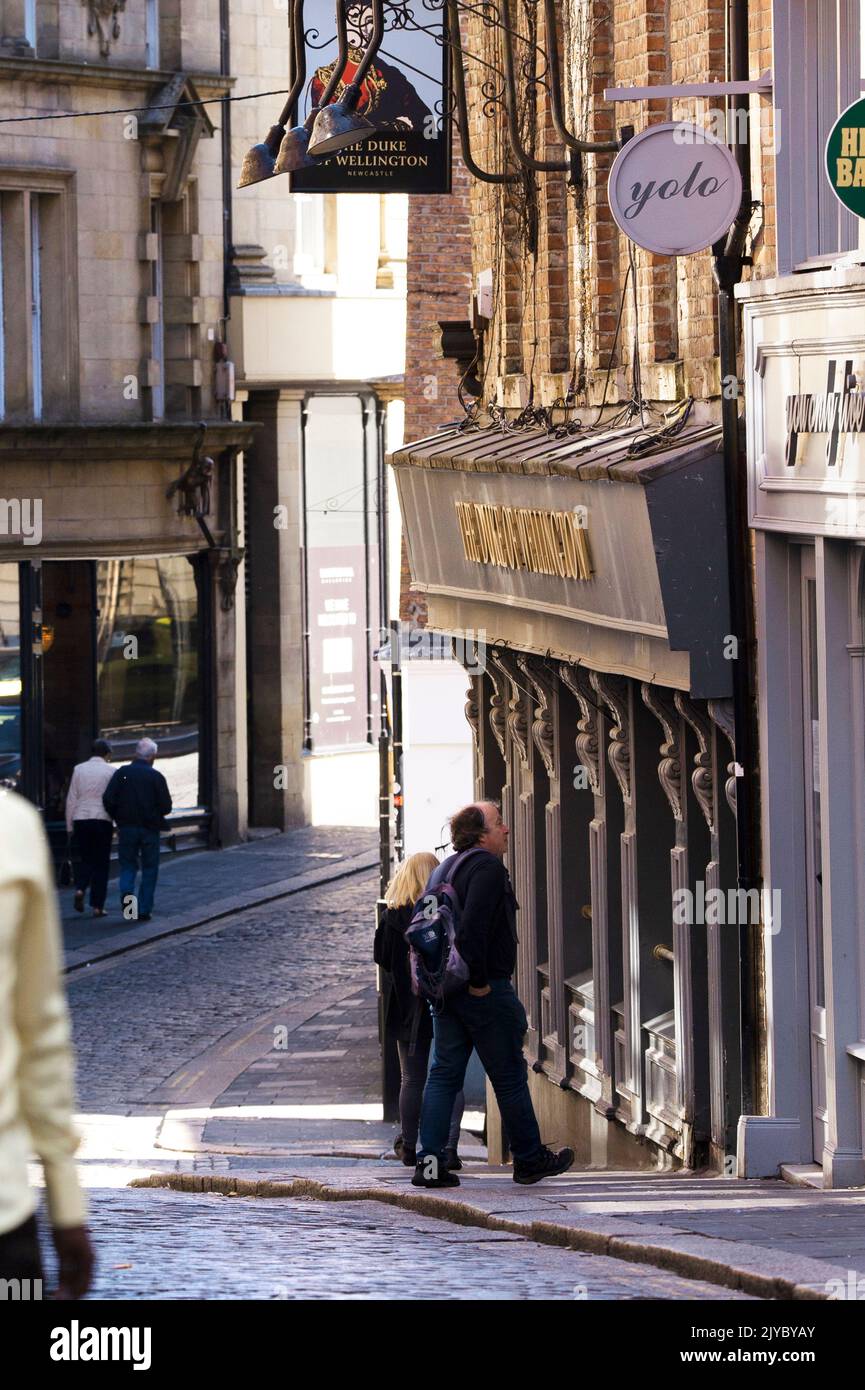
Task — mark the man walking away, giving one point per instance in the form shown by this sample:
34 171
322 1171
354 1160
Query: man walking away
90 824
36 1070
138 799
487 1016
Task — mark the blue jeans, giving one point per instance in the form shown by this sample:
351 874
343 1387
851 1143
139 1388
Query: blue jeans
494 1025
138 848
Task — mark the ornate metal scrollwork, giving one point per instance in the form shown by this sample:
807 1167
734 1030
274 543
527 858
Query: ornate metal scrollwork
661 702
613 690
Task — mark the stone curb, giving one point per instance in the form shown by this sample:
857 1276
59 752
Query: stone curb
79 959
676 1261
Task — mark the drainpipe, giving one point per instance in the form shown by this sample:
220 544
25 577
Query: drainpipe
225 137
728 266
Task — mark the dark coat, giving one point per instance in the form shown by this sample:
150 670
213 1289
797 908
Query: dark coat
487 933
138 795
404 1013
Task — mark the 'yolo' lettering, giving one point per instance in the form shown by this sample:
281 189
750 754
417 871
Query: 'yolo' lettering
642 193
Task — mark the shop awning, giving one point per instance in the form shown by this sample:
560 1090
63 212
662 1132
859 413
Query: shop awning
585 547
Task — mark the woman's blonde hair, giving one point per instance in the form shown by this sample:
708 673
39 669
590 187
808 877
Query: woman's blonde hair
410 880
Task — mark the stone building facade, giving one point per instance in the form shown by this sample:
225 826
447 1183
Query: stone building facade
119 609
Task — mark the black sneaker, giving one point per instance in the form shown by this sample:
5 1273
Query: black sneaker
452 1160
441 1178
546 1165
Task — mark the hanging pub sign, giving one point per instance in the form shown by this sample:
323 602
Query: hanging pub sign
845 158
404 99
675 189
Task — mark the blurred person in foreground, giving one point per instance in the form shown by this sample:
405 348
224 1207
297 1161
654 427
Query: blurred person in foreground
407 1018
36 1066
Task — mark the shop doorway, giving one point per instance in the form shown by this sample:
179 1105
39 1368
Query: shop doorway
68 675
813 863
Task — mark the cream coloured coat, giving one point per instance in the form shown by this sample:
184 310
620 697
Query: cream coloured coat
36 1064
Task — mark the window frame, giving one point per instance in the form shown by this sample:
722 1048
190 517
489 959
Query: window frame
817 75
61 269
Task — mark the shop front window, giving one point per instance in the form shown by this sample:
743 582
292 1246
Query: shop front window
147 654
10 678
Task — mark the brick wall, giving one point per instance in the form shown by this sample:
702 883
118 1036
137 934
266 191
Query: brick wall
438 289
558 304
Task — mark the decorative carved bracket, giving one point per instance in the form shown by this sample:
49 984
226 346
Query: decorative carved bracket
613 690
721 712
498 707
518 715
588 738
473 711
545 722
703 776
102 20
661 702
226 572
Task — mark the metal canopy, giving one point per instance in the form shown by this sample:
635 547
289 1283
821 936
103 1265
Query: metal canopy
656 603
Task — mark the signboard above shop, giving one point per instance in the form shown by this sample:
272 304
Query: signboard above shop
405 97
675 189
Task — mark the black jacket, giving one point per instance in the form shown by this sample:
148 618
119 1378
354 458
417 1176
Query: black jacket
137 795
405 1015
487 935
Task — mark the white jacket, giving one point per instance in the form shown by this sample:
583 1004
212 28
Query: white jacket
36 1066
84 798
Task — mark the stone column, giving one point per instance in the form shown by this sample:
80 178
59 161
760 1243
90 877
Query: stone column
13 43
274 534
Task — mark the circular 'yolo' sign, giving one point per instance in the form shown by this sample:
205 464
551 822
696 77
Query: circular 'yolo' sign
845 158
675 189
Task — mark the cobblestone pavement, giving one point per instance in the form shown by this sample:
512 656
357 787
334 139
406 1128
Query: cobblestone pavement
139 1018
164 1245
186 881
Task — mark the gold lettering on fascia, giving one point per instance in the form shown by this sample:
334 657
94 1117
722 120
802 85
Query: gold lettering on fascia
526 538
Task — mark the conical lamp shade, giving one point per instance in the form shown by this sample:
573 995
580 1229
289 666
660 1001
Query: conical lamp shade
259 162
294 150
337 126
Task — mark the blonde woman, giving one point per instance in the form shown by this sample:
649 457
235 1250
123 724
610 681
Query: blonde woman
406 1017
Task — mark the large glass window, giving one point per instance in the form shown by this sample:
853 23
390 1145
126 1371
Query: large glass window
10 677
147 652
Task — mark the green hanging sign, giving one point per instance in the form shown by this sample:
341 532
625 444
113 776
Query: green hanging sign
845 158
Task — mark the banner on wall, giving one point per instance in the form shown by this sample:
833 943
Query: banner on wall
406 97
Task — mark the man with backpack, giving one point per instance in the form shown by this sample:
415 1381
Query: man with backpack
475 1004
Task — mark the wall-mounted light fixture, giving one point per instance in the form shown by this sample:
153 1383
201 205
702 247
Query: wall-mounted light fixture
260 162
338 124
294 150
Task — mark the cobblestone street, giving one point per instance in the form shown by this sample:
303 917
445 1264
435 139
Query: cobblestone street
242 1051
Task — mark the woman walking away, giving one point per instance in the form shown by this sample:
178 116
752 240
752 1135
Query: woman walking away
90 823
407 1017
